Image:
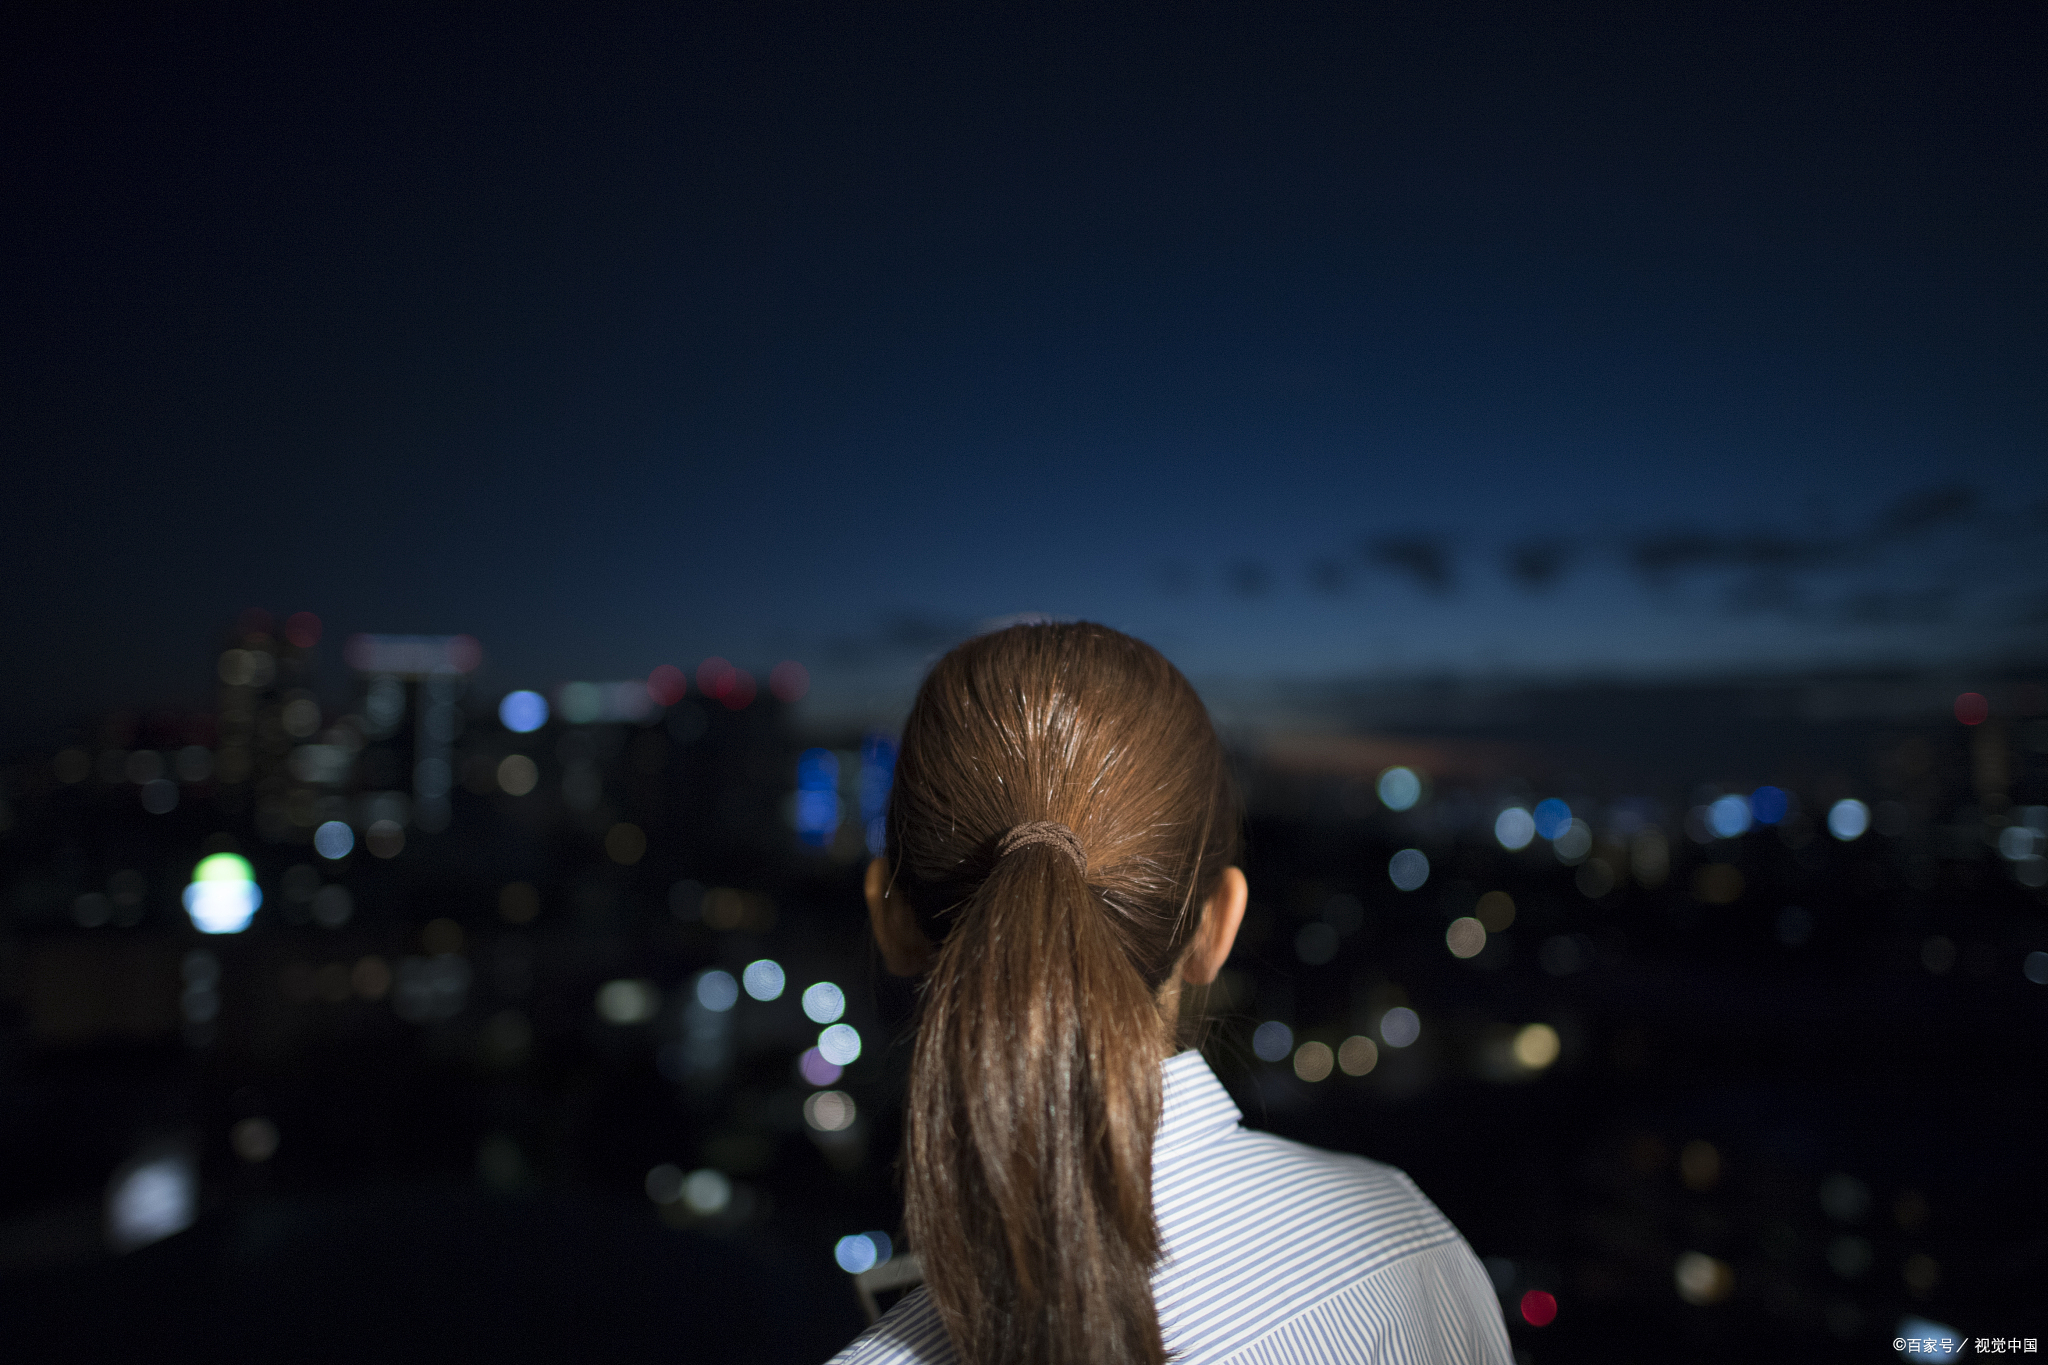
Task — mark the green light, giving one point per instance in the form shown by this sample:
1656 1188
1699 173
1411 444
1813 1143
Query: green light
224 867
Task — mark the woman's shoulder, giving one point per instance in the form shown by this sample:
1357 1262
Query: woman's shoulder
910 1333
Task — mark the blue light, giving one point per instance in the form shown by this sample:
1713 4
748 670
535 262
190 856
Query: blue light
1514 828
817 797
1770 805
1272 1041
824 1003
1729 817
840 1044
334 839
1553 817
1927 1340
1408 869
1399 788
523 712
763 979
1848 818
877 774
856 1253
717 991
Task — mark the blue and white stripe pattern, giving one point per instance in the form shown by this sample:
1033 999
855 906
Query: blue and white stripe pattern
1276 1254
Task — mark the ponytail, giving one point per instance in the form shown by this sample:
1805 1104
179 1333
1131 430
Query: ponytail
1034 1095
1060 813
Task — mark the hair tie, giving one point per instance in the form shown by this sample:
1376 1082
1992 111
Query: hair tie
1044 832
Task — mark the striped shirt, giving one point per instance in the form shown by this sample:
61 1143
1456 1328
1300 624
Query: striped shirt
1276 1254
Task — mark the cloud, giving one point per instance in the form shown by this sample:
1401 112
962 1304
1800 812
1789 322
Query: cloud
1328 574
1249 578
1424 560
1539 564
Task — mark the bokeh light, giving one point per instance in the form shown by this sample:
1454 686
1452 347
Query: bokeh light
625 843
1357 1055
223 896
1514 828
1539 1309
1408 869
1314 1061
1466 937
717 991
856 1253
1848 819
667 685
1495 911
1729 816
1552 817
830 1111
517 775
839 1044
1770 804
763 979
628 1002
334 839
813 1067
707 1193
1272 1041
1400 1026
523 712
789 681
823 1003
1702 1279
152 1200
302 628
1972 708
1399 788
1535 1047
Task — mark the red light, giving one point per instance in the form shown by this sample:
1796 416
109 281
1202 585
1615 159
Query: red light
739 691
1972 709
302 628
789 680
666 685
1538 1308
714 677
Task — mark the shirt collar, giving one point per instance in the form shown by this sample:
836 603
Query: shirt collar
1196 1108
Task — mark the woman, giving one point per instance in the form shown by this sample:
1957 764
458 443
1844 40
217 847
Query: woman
1061 840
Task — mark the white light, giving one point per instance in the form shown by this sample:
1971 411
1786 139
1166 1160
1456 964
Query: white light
717 991
830 1111
665 1184
707 1193
222 907
855 1254
1272 1041
1848 818
1573 842
1399 1026
1399 788
2016 842
334 839
824 1003
1514 828
839 1044
629 1002
763 979
151 1201
1729 816
1408 869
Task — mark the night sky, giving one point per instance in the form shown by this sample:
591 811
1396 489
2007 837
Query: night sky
1308 343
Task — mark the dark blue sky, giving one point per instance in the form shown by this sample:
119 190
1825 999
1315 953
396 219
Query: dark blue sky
1304 341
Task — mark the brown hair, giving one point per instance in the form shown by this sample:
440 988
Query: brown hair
1035 1084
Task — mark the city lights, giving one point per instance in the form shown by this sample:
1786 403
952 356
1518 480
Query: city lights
763 979
839 1044
151 1199
1357 1055
1848 819
223 896
628 1002
1399 789
1408 869
523 712
717 991
817 797
1314 1061
1466 937
1551 817
1514 828
1400 1026
1770 805
1535 1047
334 839
823 1003
1729 816
813 1067
1272 1041
830 1111
1539 1309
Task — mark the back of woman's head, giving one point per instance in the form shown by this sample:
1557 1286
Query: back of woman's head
1035 1087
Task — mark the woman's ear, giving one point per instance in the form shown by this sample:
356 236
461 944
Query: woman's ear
905 949
1216 934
